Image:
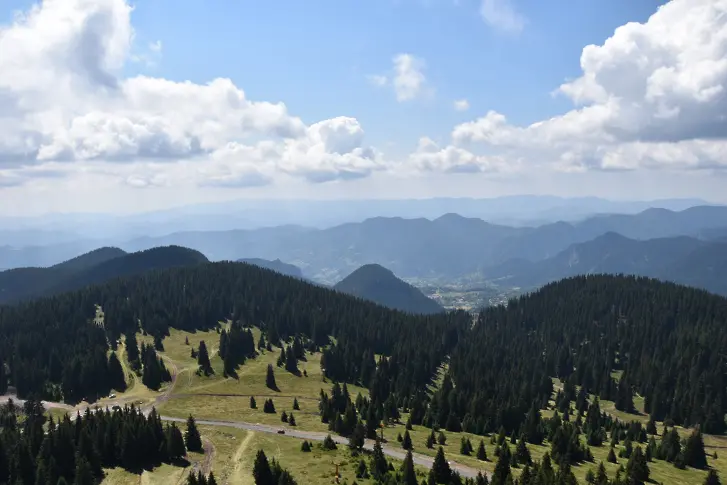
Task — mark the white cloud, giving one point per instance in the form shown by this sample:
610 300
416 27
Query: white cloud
407 78
378 80
429 157
654 95
461 105
502 15
63 98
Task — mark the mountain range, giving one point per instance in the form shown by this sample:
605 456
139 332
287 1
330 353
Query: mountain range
681 259
375 283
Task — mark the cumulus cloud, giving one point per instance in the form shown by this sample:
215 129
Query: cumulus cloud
407 78
63 98
502 15
652 95
461 105
429 157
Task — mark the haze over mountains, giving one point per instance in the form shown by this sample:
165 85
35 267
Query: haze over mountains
655 242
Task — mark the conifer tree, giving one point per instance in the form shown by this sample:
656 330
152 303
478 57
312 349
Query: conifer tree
694 454
481 453
712 478
406 441
408 475
203 359
441 439
253 404
305 447
270 379
637 470
117 380
291 420
362 470
379 465
430 440
296 406
191 437
211 479
440 468
261 470
176 448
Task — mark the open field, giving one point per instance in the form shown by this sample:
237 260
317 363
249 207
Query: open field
227 399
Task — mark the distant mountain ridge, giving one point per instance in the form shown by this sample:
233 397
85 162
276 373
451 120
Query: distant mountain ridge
375 283
97 266
275 265
681 259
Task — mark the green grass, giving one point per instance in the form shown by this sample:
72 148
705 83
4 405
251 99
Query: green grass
201 396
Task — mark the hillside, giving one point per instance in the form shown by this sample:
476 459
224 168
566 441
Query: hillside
684 260
378 284
275 265
95 267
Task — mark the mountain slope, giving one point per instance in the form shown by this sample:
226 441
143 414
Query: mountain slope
95 267
684 260
378 284
275 265
446 247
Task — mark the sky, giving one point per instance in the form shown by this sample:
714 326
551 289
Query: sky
113 106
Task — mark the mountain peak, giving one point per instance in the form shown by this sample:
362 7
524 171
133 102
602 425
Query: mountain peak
379 284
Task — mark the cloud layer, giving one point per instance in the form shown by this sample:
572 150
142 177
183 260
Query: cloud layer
63 99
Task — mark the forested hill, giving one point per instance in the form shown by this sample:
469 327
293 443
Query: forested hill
615 336
668 341
378 284
94 267
54 350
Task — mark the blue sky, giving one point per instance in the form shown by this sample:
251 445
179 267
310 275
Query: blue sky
315 55
143 107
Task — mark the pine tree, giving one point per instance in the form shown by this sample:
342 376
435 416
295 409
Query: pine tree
305 447
637 470
379 465
694 454
192 437
203 359
270 379
601 476
430 440
481 453
362 470
296 406
441 439
261 470
440 468
176 448
408 475
463 448
291 420
117 380
712 478
406 441
253 404
211 479
284 417
328 443
611 456
502 468
522 454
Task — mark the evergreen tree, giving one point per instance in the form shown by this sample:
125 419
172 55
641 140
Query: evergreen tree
176 448
270 379
406 441
261 470
362 470
408 475
211 479
291 420
430 440
253 404
440 468
522 454
611 458
328 443
203 359
694 454
379 465
481 453
117 380
637 469
502 468
441 439
192 437
712 478
305 447
296 406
